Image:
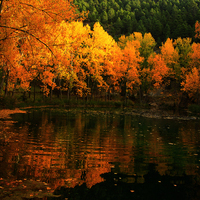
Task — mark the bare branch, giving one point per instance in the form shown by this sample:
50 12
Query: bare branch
21 30
42 10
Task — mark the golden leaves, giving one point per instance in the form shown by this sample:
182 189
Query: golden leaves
42 40
159 69
26 37
192 83
169 54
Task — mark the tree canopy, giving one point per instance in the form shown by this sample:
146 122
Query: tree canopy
163 18
48 44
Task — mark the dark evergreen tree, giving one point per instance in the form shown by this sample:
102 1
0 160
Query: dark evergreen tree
111 14
118 26
104 17
162 18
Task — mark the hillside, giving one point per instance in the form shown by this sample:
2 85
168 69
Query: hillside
162 18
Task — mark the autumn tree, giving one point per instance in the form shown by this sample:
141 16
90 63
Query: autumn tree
146 48
170 56
25 37
94 54
70 39
112 72
191 83
184 48
158 70
130 65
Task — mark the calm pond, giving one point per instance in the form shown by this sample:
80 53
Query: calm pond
117 156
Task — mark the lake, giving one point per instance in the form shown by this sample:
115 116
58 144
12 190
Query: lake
106 153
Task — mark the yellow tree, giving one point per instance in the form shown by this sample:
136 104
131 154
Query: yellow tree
95 51
25 32
184 49
70 39
146 49
147 45
170 56
191 76
158 70
195 56
130 65
112 70
191 83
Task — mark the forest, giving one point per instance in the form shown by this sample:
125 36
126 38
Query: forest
48 45
162 18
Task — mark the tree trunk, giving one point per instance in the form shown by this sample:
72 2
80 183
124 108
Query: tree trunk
68 93
60 90
6 87
140 94
14 88
109 94
88 83
2 81
24 96
125 88
51 91
34 91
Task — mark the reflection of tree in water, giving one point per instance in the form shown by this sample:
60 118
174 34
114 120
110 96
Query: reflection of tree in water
154 187
70 150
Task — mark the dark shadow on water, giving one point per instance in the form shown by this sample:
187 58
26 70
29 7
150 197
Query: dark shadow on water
155 187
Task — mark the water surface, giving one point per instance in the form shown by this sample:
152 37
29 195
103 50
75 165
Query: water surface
70 147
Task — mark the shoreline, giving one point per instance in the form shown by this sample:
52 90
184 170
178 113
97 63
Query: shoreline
148 113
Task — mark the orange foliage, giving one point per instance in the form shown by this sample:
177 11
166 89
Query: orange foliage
130 62
169 54
197 29
195 55
26 36
158 69
47 41
192 83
